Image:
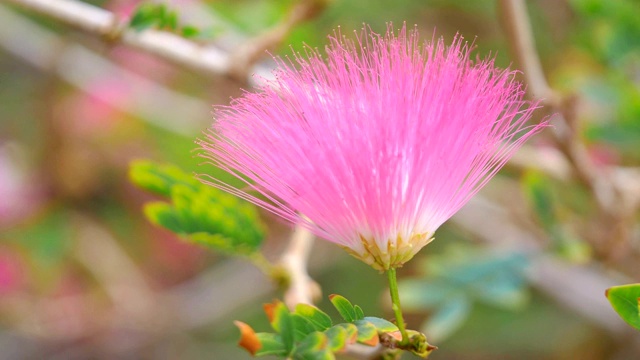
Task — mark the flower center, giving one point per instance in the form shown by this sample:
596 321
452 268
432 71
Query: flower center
394 255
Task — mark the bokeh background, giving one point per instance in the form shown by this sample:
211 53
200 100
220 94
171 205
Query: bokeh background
83 274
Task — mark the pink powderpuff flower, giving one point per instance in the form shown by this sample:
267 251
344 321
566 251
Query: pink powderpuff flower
376 147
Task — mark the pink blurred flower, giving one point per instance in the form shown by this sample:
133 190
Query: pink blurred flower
378 146
11 271
20 193
96 112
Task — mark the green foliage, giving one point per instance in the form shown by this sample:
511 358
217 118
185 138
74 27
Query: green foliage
318 319
199 213
367 332
614 26
344 307
625 300
190 31
453 281
547 208
271 344
541 197
622 126
309 333
47 244
159 16
609 32
159 179
252 17
150 14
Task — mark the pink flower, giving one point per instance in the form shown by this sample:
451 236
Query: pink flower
376 147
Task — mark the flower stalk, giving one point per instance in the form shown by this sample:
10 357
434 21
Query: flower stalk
395 305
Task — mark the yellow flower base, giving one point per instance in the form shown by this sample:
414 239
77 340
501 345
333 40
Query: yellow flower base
394 256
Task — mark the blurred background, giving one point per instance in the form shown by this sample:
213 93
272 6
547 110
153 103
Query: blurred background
520 273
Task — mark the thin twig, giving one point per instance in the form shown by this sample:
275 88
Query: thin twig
252 50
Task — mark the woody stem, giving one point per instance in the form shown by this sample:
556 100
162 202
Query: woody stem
395 304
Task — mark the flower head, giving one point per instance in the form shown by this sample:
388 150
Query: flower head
376 146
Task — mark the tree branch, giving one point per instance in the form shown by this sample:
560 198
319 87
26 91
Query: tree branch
606 192
206 59
302 289
520 35
254 49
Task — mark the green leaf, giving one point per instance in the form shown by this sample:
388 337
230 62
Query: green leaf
381 324
352 332
359 312
189 31
161 11
169 21
218 242
145 16
301 327
338 338
625 300
344 307
447 319
367 333
314 347
159 179
200 213
271 345
282 322
163 214
541 198
318 319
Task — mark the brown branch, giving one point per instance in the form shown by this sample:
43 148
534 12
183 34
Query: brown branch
607 193
518 30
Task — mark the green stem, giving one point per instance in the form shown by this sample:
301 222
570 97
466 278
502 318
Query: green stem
395 304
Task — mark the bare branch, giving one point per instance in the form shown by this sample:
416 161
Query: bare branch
83 68
207 59
516 21
606 191
252 50
518 29
302 289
